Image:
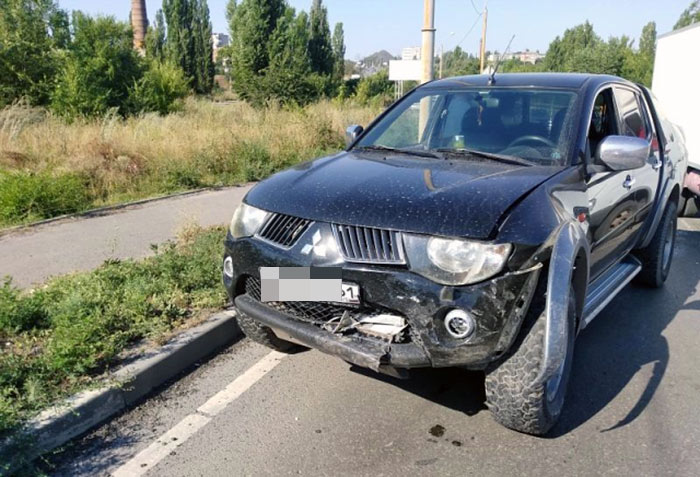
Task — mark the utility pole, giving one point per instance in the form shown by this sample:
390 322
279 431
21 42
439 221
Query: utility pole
428 50
482 52
428 58
442 57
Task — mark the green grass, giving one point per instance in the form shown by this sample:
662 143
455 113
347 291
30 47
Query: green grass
49 167
57 339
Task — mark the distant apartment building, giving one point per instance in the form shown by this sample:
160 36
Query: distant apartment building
411 53
219 40
526 56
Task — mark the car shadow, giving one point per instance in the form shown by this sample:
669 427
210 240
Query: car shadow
453 388
625 337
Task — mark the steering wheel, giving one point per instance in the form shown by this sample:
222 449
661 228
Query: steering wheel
531 138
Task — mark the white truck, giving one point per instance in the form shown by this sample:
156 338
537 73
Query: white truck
676 72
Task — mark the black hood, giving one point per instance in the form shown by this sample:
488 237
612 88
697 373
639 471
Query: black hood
461 197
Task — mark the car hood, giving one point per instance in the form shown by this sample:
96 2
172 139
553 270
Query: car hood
461 198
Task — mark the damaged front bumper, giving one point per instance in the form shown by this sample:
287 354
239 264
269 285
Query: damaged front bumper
498 307
367 353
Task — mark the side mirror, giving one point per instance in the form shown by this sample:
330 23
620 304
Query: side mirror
352 133
623 153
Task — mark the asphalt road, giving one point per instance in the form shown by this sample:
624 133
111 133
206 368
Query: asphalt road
633 409
31 255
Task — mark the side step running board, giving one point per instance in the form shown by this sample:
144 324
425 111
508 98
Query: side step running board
607 286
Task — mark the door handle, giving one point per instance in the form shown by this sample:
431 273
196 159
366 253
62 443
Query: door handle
629 182
656 165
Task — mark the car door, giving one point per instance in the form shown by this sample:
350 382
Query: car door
612 206
635 122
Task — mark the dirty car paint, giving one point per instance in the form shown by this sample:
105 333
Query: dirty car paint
431 196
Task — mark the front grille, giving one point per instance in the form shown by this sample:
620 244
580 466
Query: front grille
312 312
369 245
283 230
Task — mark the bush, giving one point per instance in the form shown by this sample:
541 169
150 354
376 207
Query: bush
26 196
28 53
375 89
100 68
160 89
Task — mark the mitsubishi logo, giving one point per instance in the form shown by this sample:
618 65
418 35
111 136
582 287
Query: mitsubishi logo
315 246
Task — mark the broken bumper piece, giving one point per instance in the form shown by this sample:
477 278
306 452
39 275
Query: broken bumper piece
372 354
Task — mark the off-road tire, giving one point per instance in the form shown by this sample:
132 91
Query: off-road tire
263 335
513 398
654 268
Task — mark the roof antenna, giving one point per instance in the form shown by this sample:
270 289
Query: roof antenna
492 78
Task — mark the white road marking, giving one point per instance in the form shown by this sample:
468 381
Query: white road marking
164 445
187 427
238 386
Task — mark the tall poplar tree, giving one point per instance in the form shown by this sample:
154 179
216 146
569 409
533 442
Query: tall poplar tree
252 26
203 78
155 38
338 52
320 48
188 42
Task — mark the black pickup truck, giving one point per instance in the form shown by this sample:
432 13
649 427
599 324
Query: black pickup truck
479 222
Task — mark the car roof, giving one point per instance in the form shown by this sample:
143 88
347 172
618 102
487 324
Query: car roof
545 80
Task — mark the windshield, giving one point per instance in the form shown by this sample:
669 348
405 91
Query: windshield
532 124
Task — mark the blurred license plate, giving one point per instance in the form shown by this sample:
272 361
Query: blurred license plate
315 284
350 293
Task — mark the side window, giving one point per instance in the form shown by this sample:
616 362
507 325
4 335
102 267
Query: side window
632 122
603 121
649 125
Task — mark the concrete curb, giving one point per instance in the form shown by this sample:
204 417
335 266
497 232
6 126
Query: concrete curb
80 413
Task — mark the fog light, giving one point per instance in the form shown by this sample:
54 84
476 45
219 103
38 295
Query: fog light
228 267
459 324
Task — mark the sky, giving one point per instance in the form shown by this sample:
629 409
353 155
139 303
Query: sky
373 25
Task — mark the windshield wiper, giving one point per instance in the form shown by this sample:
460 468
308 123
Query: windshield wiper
396 150
488 155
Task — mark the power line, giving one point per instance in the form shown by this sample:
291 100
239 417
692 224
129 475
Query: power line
470 29
475 9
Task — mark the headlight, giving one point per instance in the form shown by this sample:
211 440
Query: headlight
246 221
454 261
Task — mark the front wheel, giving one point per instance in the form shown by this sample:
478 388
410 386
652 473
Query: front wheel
515 400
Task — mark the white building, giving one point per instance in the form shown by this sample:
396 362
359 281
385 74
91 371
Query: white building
219 40
526 56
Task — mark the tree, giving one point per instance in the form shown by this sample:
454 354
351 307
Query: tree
689 16
640 66
155 38
30 33
458 62
179 44
230 14
59 25
647 42
203 78
320 48
100 68
188 41
289 77
338 52
252 26
574 51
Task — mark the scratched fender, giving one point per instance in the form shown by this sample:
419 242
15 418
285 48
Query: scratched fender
569 242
